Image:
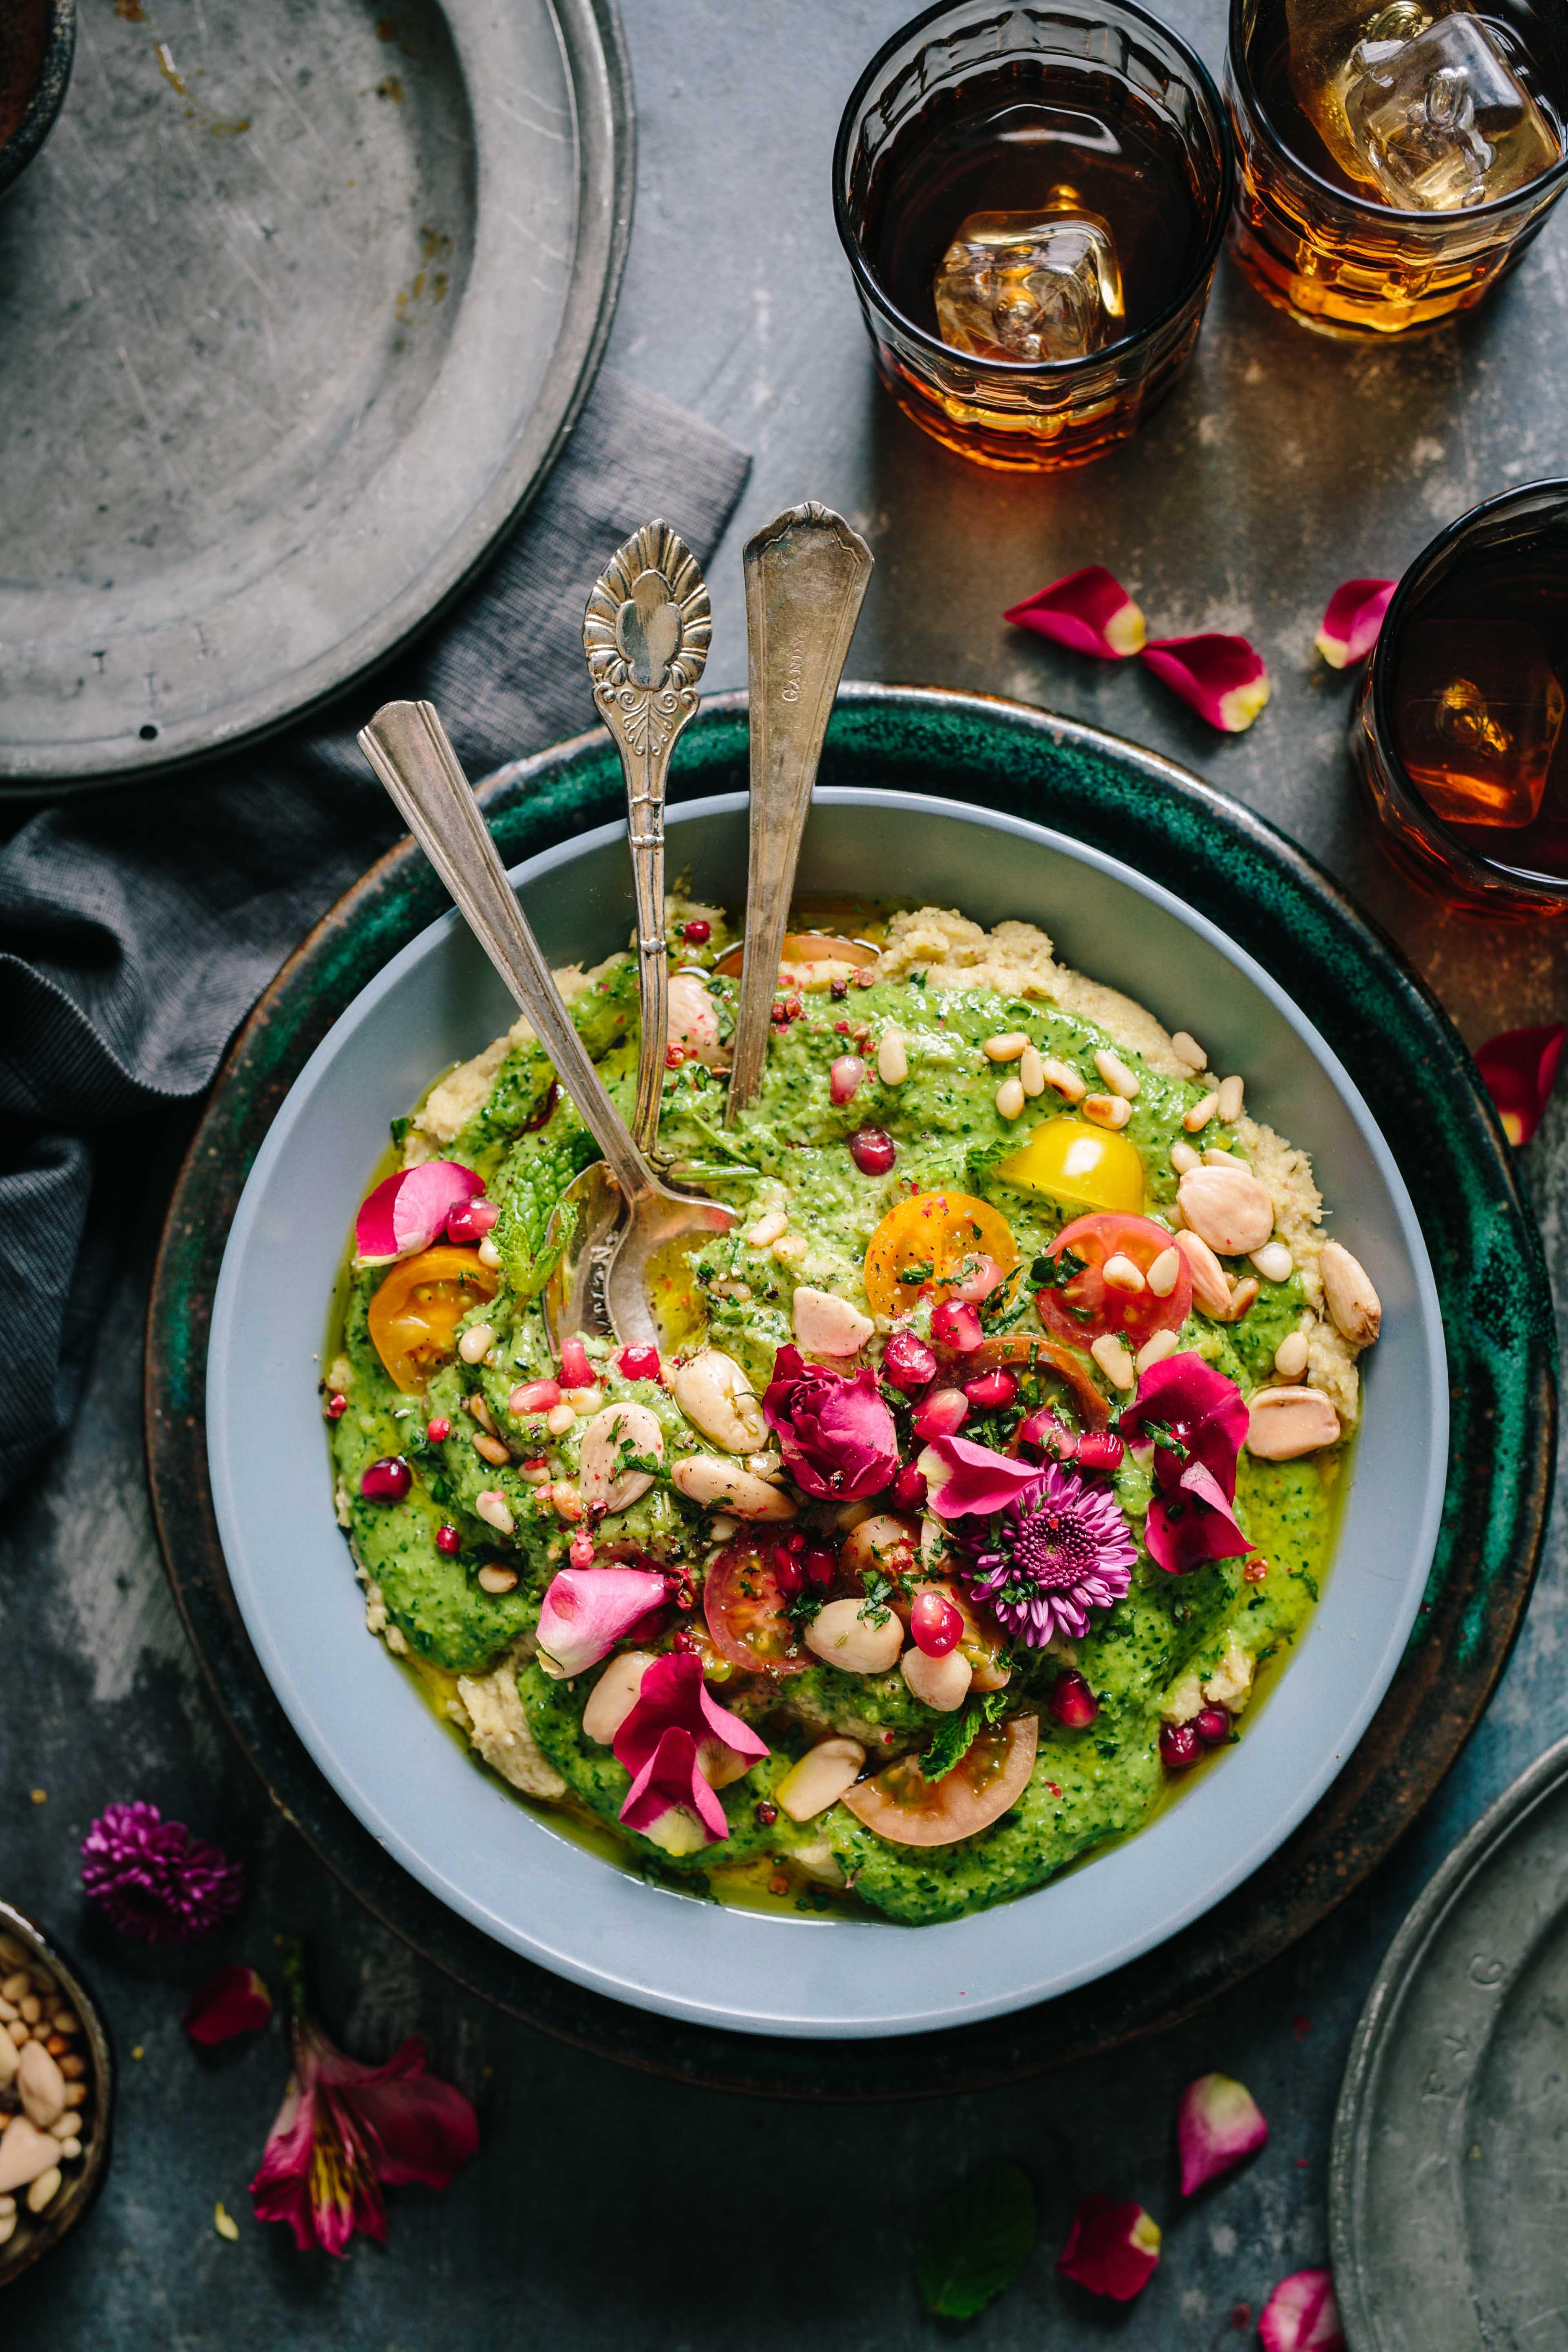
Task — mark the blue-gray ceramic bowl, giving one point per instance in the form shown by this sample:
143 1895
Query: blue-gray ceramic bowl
507 1869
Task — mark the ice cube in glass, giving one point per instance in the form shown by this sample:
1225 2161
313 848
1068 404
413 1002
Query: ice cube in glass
1480 709
1441 122
1043 285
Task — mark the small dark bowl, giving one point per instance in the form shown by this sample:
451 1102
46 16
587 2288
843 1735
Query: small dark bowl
37 41
84 2179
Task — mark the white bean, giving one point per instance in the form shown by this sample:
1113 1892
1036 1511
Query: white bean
1352 1302
827 1326
605 1440
614 1695
843 1637
1285 1422
41 2084
706 1479
820 1778
942 1683
43 2188
1226 1207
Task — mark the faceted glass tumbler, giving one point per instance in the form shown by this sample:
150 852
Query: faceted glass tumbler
1023 414
1344 264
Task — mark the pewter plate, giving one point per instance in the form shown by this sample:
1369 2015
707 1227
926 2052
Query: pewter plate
1450 2166
296 309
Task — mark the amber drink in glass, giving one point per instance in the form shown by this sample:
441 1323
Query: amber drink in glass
1396 160
1459 735
1032 200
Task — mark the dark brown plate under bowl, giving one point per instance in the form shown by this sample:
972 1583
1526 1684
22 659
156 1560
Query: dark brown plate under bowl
1401 1050
37 42
83 2179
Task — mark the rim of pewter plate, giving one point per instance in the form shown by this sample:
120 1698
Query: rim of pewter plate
869 286
48 94
1239 870
82 2186
1368 2234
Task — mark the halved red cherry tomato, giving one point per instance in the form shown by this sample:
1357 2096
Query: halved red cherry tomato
902 1806
1099 1308
744 1604
414 1315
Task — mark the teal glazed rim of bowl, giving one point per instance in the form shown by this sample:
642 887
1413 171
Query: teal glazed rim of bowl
1222 860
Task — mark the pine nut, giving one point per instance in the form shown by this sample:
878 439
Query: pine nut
1274 1262
1031 1071
568 1502
1232 1092
1065 1082
7 2204
1005 1048
492 1508
73 2068
71 2149
722 1528
1241 1299
1186 1048
476 1343
481 1411
1290 1355
488 1254
1113 1359
1155 1350
1107 1110
7 2011
1119 1273
1217 1156
494 1579
32 2009
65 2127
76 2093
491 1450
1200 1114
7 2225
767 1229
1116 1073
17 1987
791 1248
892 1061
561 1418
1010 1098
1165 1272
1183 1156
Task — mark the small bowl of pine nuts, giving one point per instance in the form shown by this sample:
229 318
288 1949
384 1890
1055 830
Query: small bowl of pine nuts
56 2094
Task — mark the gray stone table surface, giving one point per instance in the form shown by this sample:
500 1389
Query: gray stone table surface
608 2209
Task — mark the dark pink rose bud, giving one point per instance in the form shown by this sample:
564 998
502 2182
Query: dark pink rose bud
991 1391
909 1488
1179 1747
845 1078
873 1150
908 1363
941 1415
386 1481
1071 1702
956 1326
936 1624
834 1431
472 1222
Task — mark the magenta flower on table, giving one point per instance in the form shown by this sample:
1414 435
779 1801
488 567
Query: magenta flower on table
1038 1546
834 1431
1197 1420
151 1879
677 1743
346 2131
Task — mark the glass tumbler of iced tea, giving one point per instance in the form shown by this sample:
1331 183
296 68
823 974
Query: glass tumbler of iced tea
1033 199
1459 735
1396 160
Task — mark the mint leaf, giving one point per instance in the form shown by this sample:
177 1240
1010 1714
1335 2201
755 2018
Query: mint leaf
951 1742
976 2241
1055 1273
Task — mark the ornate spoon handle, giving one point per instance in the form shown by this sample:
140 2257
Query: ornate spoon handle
407 745
806 577
646 635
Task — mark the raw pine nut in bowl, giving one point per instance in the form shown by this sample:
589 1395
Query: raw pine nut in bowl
45 2186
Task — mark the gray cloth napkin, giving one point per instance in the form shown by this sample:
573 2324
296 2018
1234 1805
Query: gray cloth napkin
137 927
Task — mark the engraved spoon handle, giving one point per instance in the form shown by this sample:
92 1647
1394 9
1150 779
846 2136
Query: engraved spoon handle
806 577
407 745
646 635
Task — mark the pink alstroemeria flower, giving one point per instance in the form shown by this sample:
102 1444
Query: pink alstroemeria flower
409 1211
1301 2315
1038 1546
587 1610
230 2001
1222 678
836 1433
1519 1070
676 1743
1089 612
1352 625
345 2131
1218 2122
1112 2249
1197 1420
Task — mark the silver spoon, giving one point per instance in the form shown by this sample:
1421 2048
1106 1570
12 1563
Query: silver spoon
626 1213
805 578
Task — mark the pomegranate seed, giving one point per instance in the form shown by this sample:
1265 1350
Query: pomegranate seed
937 1624
337 1405
683 1638
534 1396
1211 1725
991 1391
846 1077
1072 1703
908 1362
1255 1571
696 933
577 1372
472 1221
386 1481
873 1150
941 1415
640 1364
787 1572
957 1327
1179 1747
1100 1449
580 1551
794 1540
438 1430
819 1564
909 1488
1049 1436
767 1814
673 1057
449 1542
978 1279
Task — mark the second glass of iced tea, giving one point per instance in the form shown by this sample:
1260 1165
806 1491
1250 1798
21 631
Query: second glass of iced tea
1033 200
1398 156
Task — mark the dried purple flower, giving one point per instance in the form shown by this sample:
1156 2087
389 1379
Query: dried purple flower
153 1880
1058 1549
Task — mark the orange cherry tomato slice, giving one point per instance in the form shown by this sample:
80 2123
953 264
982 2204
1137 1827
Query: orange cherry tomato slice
921 1247
414 1317
745 1614
1101 1309
902 1806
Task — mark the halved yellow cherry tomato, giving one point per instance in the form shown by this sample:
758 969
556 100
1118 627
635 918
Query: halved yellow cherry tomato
1089 1167
415 1315
902 1806
919 1248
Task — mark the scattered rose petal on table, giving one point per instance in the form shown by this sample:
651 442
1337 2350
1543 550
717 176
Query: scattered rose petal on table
1218 2122
153 1880
1089 612
1350 625
1220 678
409 1211
230 2001
1112 2249
1519 1070
1301 2315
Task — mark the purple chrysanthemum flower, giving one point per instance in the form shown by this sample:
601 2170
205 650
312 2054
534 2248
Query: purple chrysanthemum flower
153 1880
1060 1548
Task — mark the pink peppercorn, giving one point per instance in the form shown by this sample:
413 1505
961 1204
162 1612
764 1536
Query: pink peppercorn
449 1542
438 1430
580 1551
696 933
386 1481
873 1150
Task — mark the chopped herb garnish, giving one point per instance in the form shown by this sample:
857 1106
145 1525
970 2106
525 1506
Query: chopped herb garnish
976 2241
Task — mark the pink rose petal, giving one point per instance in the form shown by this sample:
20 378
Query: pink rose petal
588 1610
1519 1070
1112 2249
963 1478
1089 612
661 1744
409 1211
1218 2123
1222 679
230 2001
671 1782
1301 2315
1352 623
